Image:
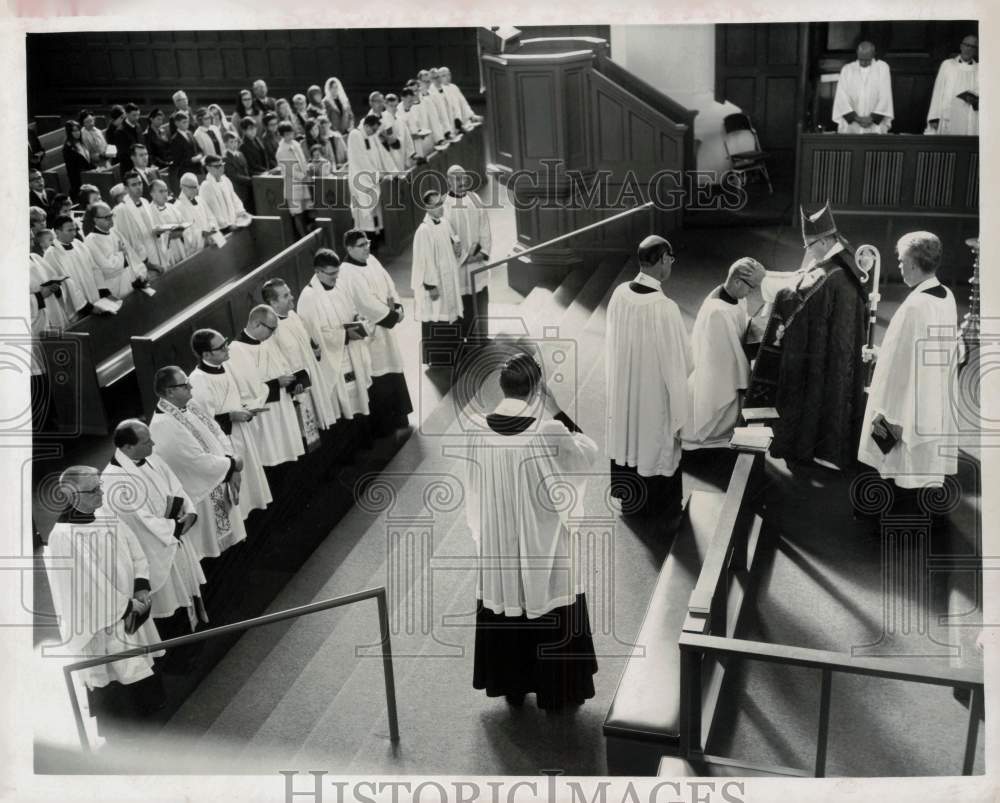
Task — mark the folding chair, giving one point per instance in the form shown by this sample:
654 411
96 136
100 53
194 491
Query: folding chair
743 148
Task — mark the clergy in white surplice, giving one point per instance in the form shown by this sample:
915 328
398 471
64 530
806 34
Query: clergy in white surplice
954 105
335 324
58 296
411 113
267 384
466 213
302 352
721 368
99 578
432 96
120 266
133 221
648 358
203 457
215 388
459 106
909 430
168 226
437 293
374 296
862 103
194 211
146 494
405 156
367 162
218 194
67 256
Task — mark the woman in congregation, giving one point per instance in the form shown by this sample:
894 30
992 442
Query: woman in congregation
338 107
245 108
314 101
283 109
218 119
93 138
157 138
76 157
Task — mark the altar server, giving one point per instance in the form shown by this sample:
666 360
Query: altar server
437 294
466 213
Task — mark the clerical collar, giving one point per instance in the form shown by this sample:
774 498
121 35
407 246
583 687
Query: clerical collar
647 281
208 368
517 408
435 220
119 455
73 516
455 194
138 203
724 296
243 337
351 260
98 231
67 246
926 284
837 248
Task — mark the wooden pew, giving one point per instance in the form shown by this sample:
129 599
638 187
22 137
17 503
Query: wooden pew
53 139
94 353
53 157
225 309
56 178
104 180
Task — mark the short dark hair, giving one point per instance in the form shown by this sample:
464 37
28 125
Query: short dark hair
201 341
83 199
137 146
125 435
326 257
269 290
285 127
157 112
212 160
229 135
520 376
653 253
163 378
425 199
351 236
179 115
247 122
372 119
131 174
59 199
131 107
116 111
200 113
269 117
406 92
61 220
84 114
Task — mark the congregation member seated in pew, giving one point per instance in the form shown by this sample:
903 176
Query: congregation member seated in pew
185 155
721 369
437 295
244 109
127 135
218 195
38 194
133 220
57 295
37 222
300 116
266 381
319 165
216 389
202 456
203 228
75 156
147 496
217 118
259 158
121 268
460 109
334 324
93 138
157 140
324 142
374 296
295 170
270 137
66 257
87 197
99 578
466 213
238 171
206 135
314 102
61 204
116 116
367 161
301 352
147 174
338 107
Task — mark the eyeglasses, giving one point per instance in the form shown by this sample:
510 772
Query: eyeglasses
102 217
266 326
97 490
223 345
328 271
182 385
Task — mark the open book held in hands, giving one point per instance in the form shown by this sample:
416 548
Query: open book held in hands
754 439
109 306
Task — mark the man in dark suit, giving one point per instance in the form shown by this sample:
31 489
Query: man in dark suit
258 157
140 163
261 101
127 136
237 171
38 194
185 155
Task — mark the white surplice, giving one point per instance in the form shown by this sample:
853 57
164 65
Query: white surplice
292 338
374 295
403 156
416 121
324 313
139 495
457 103
914 387
217 392
365 166
200 217
276 431
648 359
953 114
75 262
434 264
134 223
467 215
118 263
198 452
222 200
92 569
170 251
721 370
59 311
864 91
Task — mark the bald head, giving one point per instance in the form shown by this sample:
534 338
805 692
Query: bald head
744 275
262 322
866 52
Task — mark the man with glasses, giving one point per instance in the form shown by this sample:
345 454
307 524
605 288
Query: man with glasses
648 360
955 101
218 195
202 456
367 161
214 388
168 226
374 295
99 576
133 220
267 384
194 211
120 268
437 295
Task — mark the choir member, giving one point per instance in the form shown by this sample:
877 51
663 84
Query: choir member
648 362
721 367
532 623
219 393
374 296
333 322
59 299
954 105
466 213
435 283
267 383
862 103
167 223
99 578
133 220
218 195
202 456
194 211
461 112
909 431
146 494
68 258
367 162
411 112
434 116
406 155
121 269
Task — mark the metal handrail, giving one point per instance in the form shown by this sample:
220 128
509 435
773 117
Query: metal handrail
235 627
560 238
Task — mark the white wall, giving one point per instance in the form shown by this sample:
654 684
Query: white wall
679 60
